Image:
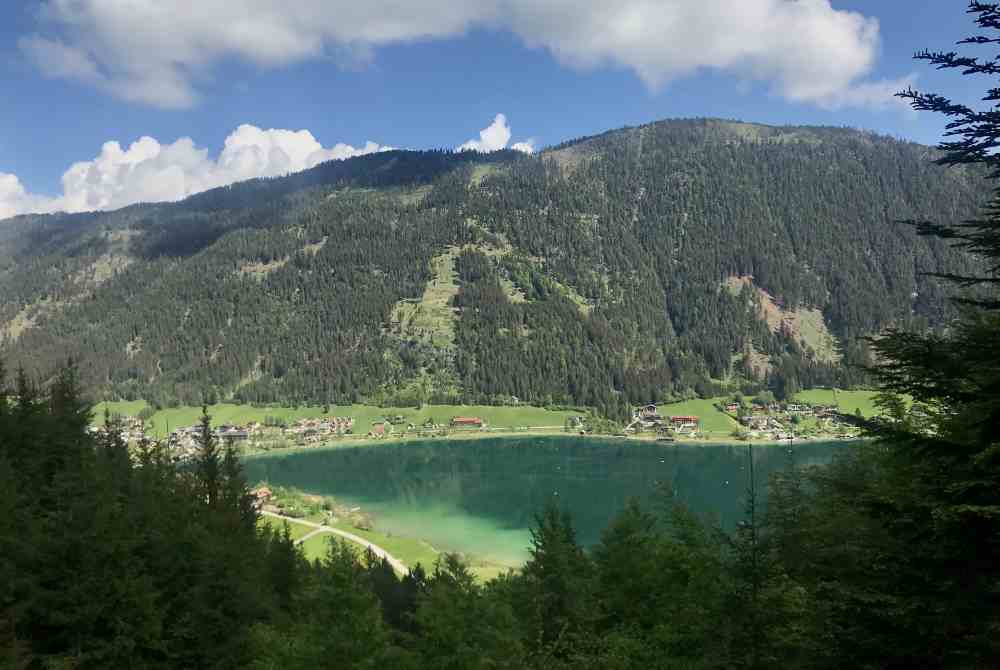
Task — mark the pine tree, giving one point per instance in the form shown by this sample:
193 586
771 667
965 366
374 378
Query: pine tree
208 465
556 589
236 494
904 533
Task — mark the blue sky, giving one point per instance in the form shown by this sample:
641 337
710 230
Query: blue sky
434 78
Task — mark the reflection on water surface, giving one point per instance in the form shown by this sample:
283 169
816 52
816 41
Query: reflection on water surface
479 496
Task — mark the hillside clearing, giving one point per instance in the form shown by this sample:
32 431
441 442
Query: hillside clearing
805 324
432 317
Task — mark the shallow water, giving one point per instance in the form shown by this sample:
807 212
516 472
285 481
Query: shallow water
480 496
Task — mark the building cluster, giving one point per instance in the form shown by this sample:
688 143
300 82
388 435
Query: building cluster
648 418
184 441
776 421
303 431
317 430
388 425
132 429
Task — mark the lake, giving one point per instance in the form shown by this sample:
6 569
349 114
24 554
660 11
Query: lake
480 496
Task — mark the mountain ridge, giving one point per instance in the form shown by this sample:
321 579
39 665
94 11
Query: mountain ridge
599 261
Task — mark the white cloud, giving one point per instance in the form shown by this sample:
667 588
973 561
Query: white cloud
527 146
14 199
153 53
148 171
879 94
494 137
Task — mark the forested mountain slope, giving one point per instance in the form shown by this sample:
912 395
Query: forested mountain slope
627 267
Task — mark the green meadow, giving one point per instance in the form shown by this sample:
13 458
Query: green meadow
296 530
847 401
712 419
165 420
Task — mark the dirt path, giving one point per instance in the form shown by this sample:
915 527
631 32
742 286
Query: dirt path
319 528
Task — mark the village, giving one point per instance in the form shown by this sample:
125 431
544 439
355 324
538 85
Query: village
771 421
718 419
183 442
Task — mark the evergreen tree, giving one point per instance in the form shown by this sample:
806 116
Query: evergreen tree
462 626
236 495
554 592
945 469
208 462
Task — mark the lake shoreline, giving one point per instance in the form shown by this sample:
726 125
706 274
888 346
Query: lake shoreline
363 442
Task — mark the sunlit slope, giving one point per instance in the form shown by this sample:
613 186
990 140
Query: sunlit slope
590 274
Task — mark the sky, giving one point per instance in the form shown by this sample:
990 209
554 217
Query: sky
110 102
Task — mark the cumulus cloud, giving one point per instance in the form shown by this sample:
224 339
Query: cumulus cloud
495 137
527 146
148 171
14 199
148 52
879 94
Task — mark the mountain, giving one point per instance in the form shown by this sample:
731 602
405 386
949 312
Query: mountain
645 263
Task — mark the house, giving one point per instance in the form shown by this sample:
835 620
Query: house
755 422
732 407
381 429
686 429
466 422
684 420
262 494
232 433
648 413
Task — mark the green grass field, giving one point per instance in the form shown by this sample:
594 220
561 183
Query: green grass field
408 550
165 420
712 419
847 401
297 530
124 408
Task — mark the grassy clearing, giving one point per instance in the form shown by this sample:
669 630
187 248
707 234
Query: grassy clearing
314 548
297 530
712 419
408 550
811 328
480 171
124 408
847 401
364 415
260 271
432 317
806 324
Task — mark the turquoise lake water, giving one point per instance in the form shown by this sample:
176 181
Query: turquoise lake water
480 496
